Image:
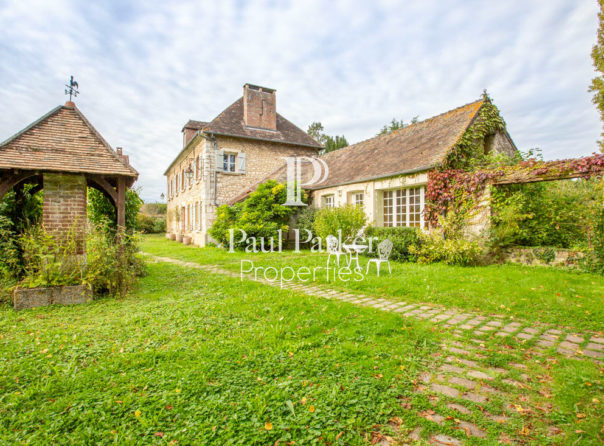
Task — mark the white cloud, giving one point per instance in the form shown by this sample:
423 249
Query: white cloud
145 69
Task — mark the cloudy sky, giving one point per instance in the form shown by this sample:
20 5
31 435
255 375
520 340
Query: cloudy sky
144 69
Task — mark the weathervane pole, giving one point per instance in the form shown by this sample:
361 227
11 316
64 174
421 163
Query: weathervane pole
72 88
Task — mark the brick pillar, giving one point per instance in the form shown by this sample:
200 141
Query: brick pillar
64 208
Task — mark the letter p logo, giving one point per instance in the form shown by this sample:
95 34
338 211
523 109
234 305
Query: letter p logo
294 177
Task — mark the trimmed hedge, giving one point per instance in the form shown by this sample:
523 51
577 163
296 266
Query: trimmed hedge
401 237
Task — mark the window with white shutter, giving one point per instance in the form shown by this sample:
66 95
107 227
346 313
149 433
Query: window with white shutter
241 159
219 161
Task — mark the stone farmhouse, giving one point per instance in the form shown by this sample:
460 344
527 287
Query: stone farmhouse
245 145
220 158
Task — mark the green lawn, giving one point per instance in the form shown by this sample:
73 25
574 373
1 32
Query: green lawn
541 294
204 359
197 358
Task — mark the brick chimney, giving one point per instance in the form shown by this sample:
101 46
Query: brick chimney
259 107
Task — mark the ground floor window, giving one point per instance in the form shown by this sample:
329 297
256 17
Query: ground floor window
328 201
358 199
404 207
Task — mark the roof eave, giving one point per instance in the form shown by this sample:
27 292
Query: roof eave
378 177
32 125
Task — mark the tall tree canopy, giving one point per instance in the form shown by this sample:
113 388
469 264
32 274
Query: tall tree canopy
395 125
330 143
597 84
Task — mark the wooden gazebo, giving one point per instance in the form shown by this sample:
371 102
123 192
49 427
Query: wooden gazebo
64 154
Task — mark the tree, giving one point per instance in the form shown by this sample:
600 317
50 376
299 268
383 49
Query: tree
329 143
101 210
335 143
396 125
597 84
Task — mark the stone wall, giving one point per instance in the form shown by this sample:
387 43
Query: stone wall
543 256
64 207
214 188
262 159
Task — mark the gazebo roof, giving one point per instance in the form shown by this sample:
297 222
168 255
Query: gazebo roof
63 140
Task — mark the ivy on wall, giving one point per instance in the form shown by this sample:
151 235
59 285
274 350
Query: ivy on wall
469 152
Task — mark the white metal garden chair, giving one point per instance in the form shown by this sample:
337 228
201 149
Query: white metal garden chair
333 248
384 249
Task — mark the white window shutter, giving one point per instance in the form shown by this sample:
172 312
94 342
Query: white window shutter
241 157
219 160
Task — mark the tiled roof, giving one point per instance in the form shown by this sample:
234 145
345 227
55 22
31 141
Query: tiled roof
62 140
195 125
415 148
230 122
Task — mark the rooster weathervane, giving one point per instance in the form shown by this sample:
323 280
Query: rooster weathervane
72 88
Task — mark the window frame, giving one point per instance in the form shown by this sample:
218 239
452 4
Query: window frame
328 198
355 199
403 207
229 159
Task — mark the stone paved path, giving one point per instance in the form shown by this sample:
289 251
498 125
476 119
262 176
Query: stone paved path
471 396
539 337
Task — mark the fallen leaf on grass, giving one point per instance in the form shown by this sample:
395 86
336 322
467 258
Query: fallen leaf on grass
268 426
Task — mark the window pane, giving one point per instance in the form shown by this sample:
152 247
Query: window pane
388 208
414 207
358 199
401 207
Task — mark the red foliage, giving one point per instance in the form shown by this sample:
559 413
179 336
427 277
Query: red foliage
445 186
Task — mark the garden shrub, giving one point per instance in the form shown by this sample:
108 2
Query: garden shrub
402 238
112 263
561 214
432 247
305 220
18 213
144 223
159 225
148 224
262 214
349 219
48 263
109 267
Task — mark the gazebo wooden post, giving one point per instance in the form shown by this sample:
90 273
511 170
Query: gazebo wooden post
121 203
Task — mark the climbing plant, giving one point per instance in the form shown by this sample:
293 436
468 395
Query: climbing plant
469 152
451 190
